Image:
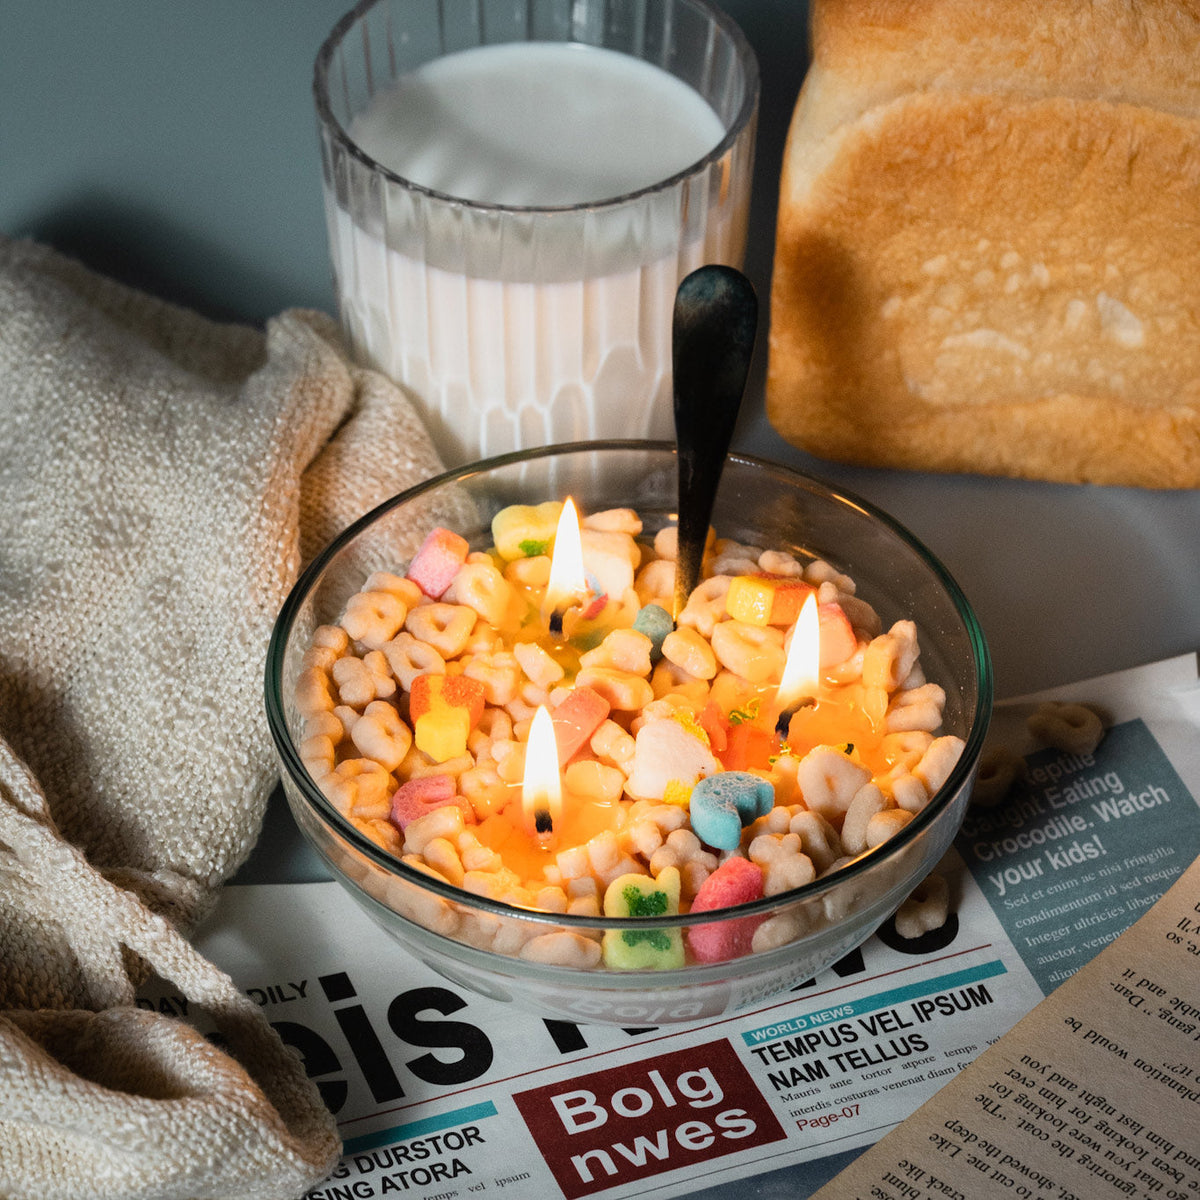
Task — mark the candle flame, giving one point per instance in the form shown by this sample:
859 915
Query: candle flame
802 670
541 787
567 584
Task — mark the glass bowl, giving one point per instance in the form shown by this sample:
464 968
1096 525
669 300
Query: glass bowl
478 942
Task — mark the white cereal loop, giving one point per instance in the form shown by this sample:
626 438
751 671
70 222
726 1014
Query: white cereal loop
916 708
500 674
999 769
784 865
829 780
890 657
940 759
818 838
361 680
318 755
886 824
907 748
539 667
408 657
908 792
1071 728
925 909
445 822
441 855
396 585
655 582
666 542
819 571
690 652
363 787
779 930
732 558
594 781
614 520
481 587
314 692
867 802
624 691
372 618
706 605
779 562
320 658
331 637
381 735
445 627
623 650
564 948
755 652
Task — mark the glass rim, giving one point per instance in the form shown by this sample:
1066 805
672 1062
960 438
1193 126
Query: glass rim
741 121
289 755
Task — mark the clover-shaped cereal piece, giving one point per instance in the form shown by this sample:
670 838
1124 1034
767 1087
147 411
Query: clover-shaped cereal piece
380 734
1071 728
829 780
999 769
755 652
640 896
818 838
481 587
925 909
781 858
445 627
361 680
372 618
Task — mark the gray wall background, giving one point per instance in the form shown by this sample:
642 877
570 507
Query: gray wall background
172 143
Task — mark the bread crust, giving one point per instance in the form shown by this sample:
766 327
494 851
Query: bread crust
988 278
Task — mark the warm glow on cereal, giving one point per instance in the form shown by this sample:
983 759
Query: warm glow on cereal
541 788
567 581
802 670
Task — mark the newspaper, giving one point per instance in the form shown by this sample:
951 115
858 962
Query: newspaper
440 1092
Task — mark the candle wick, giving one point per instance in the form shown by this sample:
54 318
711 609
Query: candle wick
543 822
556 621
785 717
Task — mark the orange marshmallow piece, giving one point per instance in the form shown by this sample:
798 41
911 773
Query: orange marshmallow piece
766 599
443 710
576 719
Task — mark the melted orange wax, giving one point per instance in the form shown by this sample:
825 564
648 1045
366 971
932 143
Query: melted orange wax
506 833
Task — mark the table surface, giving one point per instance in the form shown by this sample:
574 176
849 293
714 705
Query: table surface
174 146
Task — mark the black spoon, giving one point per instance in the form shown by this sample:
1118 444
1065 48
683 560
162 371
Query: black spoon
715 319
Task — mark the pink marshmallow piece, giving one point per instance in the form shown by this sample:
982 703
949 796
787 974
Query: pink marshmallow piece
735 881
435 564
421 796
576 719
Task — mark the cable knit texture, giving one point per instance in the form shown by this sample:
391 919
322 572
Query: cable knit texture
162 478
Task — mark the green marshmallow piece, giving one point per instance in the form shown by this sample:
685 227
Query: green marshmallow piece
652 948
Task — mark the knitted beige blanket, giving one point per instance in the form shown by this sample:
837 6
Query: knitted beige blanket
161 480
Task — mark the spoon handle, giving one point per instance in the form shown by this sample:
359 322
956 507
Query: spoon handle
715 319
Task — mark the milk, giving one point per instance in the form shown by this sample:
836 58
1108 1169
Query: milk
513 329
537 123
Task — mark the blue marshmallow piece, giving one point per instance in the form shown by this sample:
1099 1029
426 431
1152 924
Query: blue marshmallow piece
655 622
723 804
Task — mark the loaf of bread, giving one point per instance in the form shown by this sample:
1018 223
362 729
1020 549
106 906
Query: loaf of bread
988 245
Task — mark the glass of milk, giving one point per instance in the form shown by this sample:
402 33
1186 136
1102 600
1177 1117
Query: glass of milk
513 192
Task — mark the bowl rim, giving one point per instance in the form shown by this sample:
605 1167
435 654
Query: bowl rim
289 757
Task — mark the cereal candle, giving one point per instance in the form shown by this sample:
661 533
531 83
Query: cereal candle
567 586
801 671
526 721
541 788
